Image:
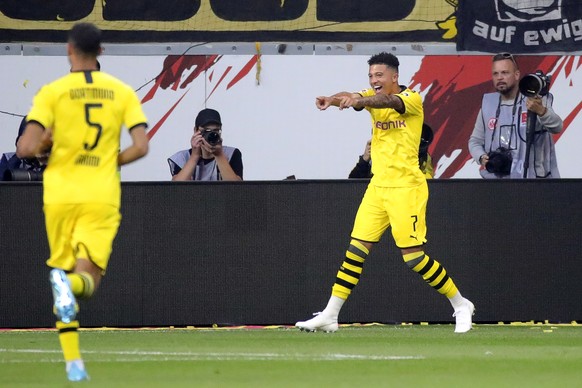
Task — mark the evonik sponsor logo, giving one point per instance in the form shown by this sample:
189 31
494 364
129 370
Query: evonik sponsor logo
385 125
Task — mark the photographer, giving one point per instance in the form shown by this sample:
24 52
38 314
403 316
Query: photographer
363 169
498 141
208 159
13 168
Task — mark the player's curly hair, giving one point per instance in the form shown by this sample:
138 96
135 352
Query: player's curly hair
384 58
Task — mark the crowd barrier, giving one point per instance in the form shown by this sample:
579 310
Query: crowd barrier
265 252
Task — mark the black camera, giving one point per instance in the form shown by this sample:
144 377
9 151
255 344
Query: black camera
213 138
22 175
535 84
425 139
499 162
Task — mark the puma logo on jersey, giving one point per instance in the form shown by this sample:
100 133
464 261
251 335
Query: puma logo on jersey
88 160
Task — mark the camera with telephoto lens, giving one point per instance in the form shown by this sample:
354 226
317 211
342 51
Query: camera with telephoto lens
535 84
499 162
213 138
27 170
22 175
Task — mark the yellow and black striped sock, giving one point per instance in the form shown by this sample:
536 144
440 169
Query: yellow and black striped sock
432 272
351 269
69 339
82 284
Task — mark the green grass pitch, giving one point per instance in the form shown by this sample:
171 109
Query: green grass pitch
535 355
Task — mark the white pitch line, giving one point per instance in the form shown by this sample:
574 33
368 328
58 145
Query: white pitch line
142 356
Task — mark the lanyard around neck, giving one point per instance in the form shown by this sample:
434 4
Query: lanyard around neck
498 112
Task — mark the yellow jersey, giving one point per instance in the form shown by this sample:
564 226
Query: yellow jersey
85 111
395 141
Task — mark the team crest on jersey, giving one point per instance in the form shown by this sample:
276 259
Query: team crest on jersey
491 124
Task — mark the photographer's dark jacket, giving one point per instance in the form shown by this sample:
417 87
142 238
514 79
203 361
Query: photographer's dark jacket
363 169
13 168
207 169
503 123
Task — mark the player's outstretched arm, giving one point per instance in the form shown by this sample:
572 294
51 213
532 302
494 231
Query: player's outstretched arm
338 99
382 101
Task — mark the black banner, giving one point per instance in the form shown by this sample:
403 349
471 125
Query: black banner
520 26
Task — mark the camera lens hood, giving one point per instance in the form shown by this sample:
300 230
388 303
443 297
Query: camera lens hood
531 85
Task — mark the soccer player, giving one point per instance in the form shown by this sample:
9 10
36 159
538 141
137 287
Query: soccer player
79 118
396 195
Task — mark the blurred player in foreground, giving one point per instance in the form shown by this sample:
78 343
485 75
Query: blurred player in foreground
79 118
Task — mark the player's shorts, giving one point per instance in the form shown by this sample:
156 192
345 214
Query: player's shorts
403 208
82 231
